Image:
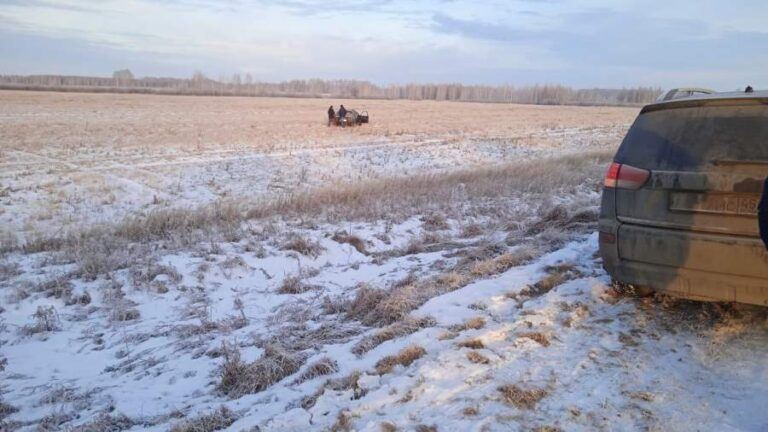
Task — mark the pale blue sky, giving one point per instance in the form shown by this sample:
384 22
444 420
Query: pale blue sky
719 44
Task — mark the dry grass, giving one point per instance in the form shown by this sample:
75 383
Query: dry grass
471 343
381 307
521 398
402 328
476 357
124 314
6 410
237 378
8 241
560 217
323 366
471 230
434 222
539 337
54 421
640 395
183 225
9 270
107 248
365 302
59 287
350 239
303 246
404 357
552 280
142 275
159 122
46 319
292 285
475 323
377 198
447 335
547 428
556 275
499 264
349 382
343 422
106 422
470 411
387 427
217 420
450 281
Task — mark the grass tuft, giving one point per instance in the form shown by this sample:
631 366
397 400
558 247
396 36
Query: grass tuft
350 239
398 329
404 357
220 419
237 378
475 323
539 337
476 357
471 343
521 398
324 366
304 246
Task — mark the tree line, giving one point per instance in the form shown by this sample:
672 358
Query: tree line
123 81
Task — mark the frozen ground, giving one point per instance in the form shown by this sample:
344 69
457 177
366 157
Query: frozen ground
600 360
467 300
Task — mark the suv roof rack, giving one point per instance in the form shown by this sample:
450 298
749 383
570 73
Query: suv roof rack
682 92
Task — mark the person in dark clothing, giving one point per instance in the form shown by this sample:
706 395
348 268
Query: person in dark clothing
331 115
342 112
762 214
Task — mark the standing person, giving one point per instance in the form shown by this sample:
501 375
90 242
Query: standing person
762 214
331 115
342 112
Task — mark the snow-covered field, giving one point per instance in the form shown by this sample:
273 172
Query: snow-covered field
68 160
411 291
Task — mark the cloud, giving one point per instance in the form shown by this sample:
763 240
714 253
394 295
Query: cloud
599 39
478 30
47 4
616 43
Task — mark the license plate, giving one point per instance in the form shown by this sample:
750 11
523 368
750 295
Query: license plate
729 204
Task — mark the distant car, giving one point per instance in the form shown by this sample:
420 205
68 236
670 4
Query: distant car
679 204
353 118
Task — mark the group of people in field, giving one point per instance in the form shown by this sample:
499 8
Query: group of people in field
333 115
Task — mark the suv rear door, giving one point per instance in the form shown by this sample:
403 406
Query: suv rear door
707 161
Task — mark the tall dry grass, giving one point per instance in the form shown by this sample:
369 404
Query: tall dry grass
405 196
468 192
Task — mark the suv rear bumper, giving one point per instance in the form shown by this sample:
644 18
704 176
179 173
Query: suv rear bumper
656 258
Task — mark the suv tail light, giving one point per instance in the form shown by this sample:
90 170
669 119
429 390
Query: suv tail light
622 176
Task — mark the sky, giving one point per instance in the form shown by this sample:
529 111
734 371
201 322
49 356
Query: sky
717 44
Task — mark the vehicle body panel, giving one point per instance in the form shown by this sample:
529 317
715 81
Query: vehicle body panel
692 228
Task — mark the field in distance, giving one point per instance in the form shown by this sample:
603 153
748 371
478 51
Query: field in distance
73 158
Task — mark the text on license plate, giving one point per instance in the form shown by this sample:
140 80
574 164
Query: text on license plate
734 204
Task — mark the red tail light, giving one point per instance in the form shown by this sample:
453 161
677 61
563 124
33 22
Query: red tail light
623 176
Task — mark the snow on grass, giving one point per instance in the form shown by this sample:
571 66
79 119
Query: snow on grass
427 288
610 362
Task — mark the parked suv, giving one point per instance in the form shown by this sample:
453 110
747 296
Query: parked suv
679 206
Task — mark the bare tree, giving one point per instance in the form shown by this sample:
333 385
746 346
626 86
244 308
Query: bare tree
124 81
122 77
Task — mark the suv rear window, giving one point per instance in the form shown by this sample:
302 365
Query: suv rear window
689 137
